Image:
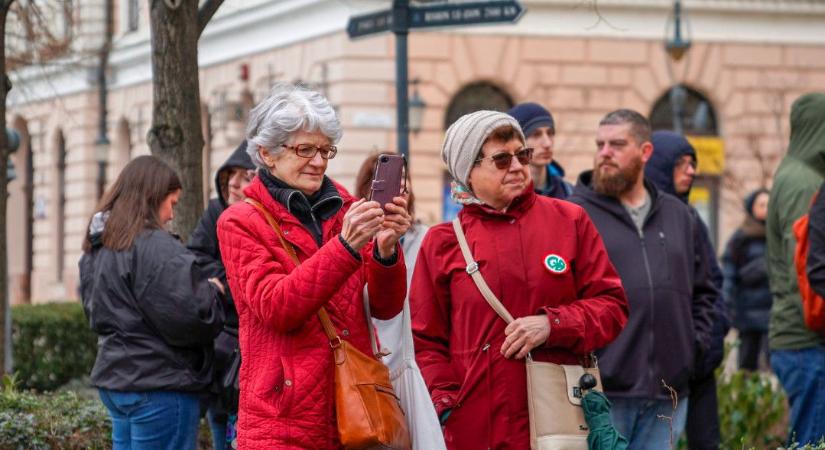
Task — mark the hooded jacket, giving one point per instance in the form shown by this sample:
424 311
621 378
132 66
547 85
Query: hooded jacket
287 396
154 312
664 272
797 178
668 149
458 336
555 187
816 239
203 242
747 291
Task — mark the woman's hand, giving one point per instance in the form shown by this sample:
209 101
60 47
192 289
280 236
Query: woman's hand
396 222
525 334
361 223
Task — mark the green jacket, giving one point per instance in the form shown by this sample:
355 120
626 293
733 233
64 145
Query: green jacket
796 180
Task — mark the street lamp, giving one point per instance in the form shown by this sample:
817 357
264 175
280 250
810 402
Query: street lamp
101 156
676 46
417 107
12 143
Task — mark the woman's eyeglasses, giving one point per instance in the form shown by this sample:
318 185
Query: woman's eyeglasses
310 150
502 160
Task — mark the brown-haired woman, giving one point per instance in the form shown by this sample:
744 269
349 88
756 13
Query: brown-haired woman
155 313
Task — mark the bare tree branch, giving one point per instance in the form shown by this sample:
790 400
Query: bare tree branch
205 13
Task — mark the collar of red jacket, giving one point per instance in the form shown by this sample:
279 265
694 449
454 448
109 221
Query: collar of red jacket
257 191
517 208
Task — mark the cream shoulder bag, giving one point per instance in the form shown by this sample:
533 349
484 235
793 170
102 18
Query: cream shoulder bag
554 392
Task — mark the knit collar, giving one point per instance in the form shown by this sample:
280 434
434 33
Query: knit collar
323 204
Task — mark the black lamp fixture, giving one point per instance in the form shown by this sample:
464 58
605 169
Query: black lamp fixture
676 46
416 106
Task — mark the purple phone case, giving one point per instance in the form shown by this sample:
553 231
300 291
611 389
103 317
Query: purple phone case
386 180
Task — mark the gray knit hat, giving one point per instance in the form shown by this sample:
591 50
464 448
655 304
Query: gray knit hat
464 139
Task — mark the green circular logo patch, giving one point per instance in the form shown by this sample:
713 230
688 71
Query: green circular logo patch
555 264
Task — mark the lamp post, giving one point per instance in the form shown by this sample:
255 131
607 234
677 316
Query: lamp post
416 107
101 157
676 48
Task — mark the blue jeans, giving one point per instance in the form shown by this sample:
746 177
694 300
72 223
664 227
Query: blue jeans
155 420
802 374
217 422
637 420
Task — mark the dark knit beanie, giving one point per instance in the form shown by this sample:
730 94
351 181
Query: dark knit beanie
751 199
531 116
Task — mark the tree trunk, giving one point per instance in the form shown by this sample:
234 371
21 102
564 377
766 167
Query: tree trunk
5 85
176 136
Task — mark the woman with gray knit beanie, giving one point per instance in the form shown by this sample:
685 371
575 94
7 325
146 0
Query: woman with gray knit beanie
541 257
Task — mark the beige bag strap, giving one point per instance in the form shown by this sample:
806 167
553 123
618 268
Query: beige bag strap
329 328
472 270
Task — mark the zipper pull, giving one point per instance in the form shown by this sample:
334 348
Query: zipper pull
486 346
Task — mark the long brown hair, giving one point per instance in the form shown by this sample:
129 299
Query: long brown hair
363 181
133 202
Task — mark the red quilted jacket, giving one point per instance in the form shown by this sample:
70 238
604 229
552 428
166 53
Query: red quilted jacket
286 376
458 336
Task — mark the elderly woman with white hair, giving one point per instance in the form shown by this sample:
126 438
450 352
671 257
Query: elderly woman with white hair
286 376
543 260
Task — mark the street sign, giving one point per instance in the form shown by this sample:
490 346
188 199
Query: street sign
369 24
465 14
442 15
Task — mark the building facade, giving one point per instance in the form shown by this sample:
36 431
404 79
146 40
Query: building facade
749 60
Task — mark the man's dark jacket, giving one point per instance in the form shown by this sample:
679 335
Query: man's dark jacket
154 312
816 239
555 187
668 149
665 276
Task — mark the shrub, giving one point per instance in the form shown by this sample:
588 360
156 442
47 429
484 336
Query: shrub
51 344
51 421
752 411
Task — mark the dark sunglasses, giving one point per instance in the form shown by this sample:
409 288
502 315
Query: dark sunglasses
502 160
309 150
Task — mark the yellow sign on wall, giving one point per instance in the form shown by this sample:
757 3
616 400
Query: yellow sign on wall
710 151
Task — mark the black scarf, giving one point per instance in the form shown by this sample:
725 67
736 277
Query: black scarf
311 211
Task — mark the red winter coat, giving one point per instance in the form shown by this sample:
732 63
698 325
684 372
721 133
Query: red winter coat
286 378
458 336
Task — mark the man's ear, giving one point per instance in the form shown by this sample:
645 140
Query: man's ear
647 151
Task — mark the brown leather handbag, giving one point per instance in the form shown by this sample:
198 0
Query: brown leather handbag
368 412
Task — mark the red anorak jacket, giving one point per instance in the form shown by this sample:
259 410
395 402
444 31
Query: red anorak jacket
458 336
286 378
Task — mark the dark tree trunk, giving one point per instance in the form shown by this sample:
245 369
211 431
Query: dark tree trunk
175 135
5 86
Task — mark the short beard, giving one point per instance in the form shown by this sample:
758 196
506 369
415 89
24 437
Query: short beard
615 185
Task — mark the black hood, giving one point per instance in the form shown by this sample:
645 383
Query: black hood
238 158
668 148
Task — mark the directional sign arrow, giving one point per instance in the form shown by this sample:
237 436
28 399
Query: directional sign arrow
369 23
465 13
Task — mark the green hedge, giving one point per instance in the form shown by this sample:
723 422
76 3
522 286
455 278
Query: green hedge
61 420
52 344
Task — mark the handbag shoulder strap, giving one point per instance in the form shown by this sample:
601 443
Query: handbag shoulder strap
472 270
329 328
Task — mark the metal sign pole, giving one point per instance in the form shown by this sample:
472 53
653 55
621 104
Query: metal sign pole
400 27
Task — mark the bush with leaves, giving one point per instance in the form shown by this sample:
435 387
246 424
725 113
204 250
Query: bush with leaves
752 411
51 421
52 344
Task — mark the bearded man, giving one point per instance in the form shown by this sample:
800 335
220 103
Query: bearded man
654 242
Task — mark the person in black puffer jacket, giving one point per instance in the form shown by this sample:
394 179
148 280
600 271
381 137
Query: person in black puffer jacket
154 311
232 177
747 291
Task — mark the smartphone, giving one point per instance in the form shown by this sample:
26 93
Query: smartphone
387 179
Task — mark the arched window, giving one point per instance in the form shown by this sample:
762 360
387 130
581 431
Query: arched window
687 111
472 97
475 97
684 110
60 205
